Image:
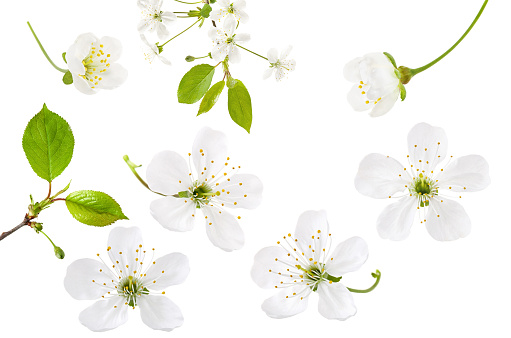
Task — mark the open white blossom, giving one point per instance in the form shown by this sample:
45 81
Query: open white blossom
424 186
230 10
153 51
302 264
133 280
213 187
154 18
91 62
376 85
225 42
281 66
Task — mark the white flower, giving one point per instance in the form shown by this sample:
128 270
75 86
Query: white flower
153 51
302 264
215 186
376 83
91 61
225 40
280 66
232 10
128 283
153 17
382 176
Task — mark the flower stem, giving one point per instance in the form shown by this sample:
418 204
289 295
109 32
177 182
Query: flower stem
181 32
248 50
44 52
188 3
133 167
376 275
423 68
22 224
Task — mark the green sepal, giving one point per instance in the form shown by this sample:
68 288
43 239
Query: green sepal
231 82
195 83
94 208
48 143
333 279
391 59
67 78
206 9
211 97
64 57
184 194
402 91
240 105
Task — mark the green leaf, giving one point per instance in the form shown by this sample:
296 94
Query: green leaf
48 143
391 59
231 82
206 9
94 208
195 83
240 105
211 97
64 57
68 78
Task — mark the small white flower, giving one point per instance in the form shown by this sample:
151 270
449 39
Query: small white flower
382 176
128 283
225 40
153 17
302 264
376 83
280 66
215 186
153 51
232 10
91 61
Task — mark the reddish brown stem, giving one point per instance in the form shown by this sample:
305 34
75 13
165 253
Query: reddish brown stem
26 221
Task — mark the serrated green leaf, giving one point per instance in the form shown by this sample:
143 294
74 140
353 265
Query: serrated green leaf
240 106
48 143
68 78
391 59
64 57
195 83
94 208
206 9
211 97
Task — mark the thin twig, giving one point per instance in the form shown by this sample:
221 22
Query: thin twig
7 233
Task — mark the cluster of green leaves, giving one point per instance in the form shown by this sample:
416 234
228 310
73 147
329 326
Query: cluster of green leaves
196 85
48 143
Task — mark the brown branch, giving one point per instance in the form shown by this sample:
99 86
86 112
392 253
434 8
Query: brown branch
26 221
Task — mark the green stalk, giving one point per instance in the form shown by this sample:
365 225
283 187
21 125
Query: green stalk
44 52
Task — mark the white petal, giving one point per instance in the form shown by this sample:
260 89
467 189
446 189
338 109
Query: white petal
213 33
224 3
171 269
385 104
351 71
273 55
210 152
467 173
160 313
381 176
216 15
223 229
335 301
168 173
239 4
284 304
285 52
244 18
161 31
168 17
241 191
428 145
234 55
348 256
111 46
220 52
267 73
377 70
105 314
123 243
164 60
312 233
78 51
82 85
268 262
113 77
357 98
175 214
395 221
242 37
375 93
447 220
85 277
230 26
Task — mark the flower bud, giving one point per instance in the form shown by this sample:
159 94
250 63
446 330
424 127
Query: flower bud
37 226
189 58
59 253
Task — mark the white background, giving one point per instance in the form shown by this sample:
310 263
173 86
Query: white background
306 144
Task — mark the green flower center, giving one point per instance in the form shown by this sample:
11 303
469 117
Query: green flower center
424 189
131 288
315 274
